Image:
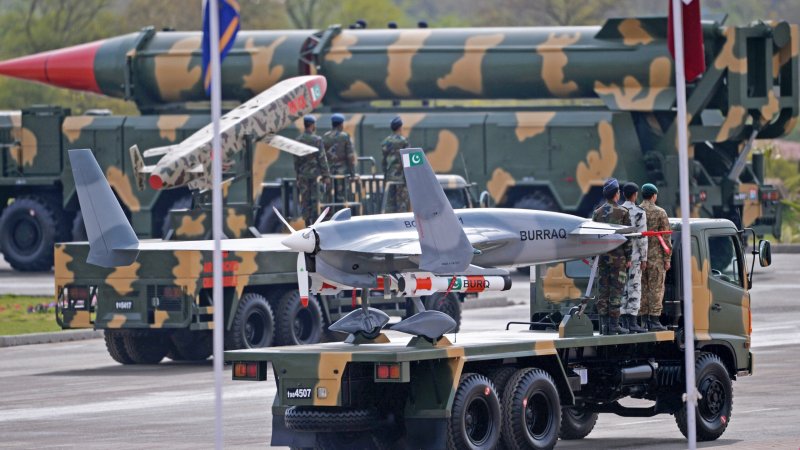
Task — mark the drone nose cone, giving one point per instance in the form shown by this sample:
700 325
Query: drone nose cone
301 241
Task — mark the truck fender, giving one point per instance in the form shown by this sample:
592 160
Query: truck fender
553 366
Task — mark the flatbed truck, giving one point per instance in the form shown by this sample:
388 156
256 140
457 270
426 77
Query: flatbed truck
524 388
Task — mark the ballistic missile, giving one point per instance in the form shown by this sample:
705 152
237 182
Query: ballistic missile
189 162
626 61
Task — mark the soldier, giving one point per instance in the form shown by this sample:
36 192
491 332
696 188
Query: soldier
308 168
614 264
393 168
633 287
340 153
658 261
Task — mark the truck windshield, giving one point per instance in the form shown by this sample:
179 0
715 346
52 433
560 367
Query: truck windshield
724 259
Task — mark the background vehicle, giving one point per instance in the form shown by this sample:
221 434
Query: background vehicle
589 103
162 306
526 387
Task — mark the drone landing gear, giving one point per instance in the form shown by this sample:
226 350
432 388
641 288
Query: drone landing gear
363 325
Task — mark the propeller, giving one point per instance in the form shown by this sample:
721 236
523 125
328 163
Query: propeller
302 241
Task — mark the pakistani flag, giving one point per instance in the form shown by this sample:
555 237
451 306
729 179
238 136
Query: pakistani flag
413 159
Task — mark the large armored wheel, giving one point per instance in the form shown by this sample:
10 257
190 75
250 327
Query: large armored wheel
146 348
449 304
115 344
576 423
475 419
253 325
297 325
531 411
29 228
713 412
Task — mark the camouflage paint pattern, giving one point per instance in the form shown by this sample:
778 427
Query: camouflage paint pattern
392 164
657 258
731 322
308 170
631 298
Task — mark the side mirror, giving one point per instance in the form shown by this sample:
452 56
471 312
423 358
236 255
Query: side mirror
764 253
485 200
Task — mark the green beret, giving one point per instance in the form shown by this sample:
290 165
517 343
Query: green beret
649 189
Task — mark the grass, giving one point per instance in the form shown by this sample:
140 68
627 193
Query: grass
15 318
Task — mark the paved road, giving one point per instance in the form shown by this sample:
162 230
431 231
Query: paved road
24 283
72 395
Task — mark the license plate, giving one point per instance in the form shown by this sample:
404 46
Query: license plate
294 393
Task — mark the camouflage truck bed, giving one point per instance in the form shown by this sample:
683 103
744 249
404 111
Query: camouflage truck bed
470 346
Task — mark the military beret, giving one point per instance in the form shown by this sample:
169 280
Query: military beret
630 188
649 189
309 119
610 187
397 122
392 24
337 119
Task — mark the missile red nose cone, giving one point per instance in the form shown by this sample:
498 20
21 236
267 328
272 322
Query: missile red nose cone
156 182
70 67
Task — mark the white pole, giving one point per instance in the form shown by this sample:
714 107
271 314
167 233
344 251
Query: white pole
686 255
216 217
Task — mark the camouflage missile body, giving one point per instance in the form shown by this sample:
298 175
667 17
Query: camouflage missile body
259 118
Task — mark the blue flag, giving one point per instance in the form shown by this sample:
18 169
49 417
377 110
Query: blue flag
228 27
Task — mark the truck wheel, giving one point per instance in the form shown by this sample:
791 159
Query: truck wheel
115 344
713 412
253 325
190 345
449 304
475 419
146 348
531 411
576 423
330 419
297 325
500 377
28 231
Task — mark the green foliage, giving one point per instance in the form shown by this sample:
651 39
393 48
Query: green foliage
788 172
15 318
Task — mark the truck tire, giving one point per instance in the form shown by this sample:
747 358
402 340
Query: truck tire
296 325
713 412
190 345
576 423
115 344
475 417
253 325
330 419
500 377
146 348
29 228
531 411
449 304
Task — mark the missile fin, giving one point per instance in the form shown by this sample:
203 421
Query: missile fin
291 146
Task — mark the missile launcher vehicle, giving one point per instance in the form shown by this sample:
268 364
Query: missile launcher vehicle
549 114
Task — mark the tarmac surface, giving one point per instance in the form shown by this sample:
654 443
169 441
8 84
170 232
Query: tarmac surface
25 283
71 394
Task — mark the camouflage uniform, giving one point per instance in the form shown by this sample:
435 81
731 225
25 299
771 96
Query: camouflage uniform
308 168
393 171
341 158
612 270
632 296
653 276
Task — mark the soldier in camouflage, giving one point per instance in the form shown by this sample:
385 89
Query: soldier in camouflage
340 153
632 296
396 194
658 259
614 264
308 168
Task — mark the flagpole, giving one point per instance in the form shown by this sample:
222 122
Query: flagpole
216 216
686 255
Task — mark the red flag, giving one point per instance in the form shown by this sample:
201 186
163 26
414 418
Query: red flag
693 54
